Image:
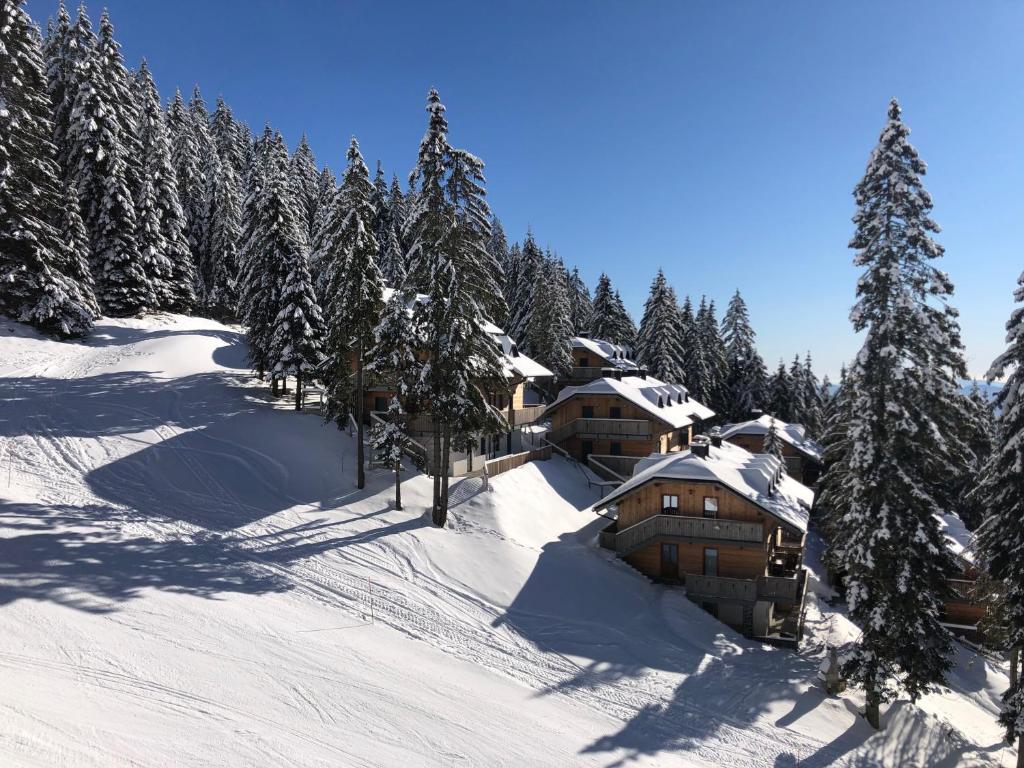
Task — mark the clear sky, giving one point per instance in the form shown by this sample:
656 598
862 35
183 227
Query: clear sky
719 141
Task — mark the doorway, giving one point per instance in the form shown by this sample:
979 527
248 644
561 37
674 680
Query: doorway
710 561
670 561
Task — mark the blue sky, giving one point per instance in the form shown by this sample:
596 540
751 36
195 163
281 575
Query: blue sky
719 141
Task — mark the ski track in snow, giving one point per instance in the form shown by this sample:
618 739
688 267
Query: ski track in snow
413 598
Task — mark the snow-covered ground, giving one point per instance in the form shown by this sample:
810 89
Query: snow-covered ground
188 577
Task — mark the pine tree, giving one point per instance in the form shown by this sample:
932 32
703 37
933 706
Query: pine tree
304 182
773 443
75 265
32 251
659 347
529 268
354 296
747 380
393 358
175 288
550 327
580 304
188 172
812 416
327 190
223 220
449 228
904 386
716 357
60 54
694 364
780 393
625 328
978 434
296 339
1001 536
114 76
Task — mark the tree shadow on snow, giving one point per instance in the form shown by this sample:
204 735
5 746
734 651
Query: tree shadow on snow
579 605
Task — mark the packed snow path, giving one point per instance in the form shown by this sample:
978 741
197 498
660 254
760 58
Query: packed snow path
188 577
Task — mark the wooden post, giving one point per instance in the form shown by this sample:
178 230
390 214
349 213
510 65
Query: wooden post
360 458
1020 751
1014 665
298 391
398 484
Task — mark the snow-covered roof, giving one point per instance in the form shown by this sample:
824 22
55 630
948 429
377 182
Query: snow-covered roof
514 362
756 477
615 355
677 408
959 540
794 434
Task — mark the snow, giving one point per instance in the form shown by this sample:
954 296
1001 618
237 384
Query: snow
794 434
677 408
188 577
613 355
757 477
959 540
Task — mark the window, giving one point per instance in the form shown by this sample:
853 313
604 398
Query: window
515 351
614 412
661 402
669 504
588 411
710 506
584 362
616 449
669 561
501 401
380 403
710 562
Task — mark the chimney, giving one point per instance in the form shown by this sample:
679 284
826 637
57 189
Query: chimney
618 374
642 373
756 413
716 437
700 446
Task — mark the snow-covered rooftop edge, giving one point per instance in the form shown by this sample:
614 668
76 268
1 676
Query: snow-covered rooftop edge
755 477
615 355
677 408
793 434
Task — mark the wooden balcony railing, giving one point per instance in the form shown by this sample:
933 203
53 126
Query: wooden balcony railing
721 587
964 590
710 528
602 429
785 589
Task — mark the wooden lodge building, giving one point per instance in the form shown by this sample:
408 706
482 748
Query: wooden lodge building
612 422
727 525
803 456
510 396
965 606
596 359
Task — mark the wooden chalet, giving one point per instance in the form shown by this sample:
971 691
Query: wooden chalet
596 359
803 456
965 605
727 525
612 422
510 395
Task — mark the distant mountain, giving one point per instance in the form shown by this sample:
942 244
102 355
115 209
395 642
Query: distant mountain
988 388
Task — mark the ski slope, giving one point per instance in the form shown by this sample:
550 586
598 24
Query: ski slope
188 577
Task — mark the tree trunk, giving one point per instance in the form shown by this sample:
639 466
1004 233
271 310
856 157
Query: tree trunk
435 511
360 458
298 391
398 484
1014 665
1020 751
284 384
447 452
273 385
872 707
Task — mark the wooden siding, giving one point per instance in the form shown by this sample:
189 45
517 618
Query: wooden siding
663 438
646 501
734 561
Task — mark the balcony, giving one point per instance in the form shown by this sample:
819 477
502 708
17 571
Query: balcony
781 589
720 588
602 429
589 373
676 526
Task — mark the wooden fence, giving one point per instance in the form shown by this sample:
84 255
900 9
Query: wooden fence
505 463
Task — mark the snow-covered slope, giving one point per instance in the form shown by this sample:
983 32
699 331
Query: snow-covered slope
188 577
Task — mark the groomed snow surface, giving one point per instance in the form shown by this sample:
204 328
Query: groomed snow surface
189 578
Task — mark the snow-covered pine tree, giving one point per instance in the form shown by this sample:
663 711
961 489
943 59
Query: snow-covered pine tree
529 267
99 172
75 265
580 303
747 380
353 297
497 247
304 182
773 443
60 52
602 325
904 406
188 172
449 228
121 96
978 433
814 406
694 365
152 246
296 341
327 190
209 167
393 359
625 328
397 210
716 357
780 393
659 348
1001 536
175 290
798 393
550 328
33 253
223 220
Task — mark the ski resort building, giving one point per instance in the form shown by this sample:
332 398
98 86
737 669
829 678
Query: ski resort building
803 455
726 524
612 422
965 606
511 396
595 359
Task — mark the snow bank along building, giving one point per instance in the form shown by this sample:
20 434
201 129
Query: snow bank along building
508 395
595 359
803 455
727 525
612 422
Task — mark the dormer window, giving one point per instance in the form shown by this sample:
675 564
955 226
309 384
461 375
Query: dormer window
515 351
679 401
661 402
